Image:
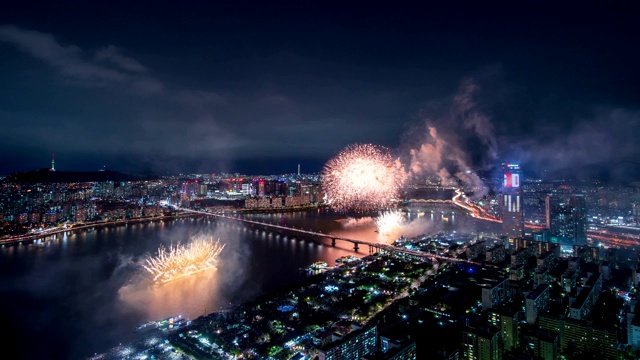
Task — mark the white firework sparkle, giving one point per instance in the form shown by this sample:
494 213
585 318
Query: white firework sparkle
362 177
389 220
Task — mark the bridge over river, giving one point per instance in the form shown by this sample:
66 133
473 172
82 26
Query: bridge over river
373 246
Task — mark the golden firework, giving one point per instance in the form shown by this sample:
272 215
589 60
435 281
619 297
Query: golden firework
182 260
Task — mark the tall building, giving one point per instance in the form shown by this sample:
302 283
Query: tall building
511 201
633 328
567 218
353 346
507 321
495 293
543 345
581 308
536 301
403 351
577 337
481 344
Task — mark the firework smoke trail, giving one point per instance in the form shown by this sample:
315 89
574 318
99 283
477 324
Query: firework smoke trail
444 150
389 220
362 177
182 260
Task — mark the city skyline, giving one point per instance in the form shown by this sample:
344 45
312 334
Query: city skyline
319 180
261 88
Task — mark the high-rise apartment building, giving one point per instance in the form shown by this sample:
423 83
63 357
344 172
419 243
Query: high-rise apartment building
536 301
507 321
352 346
496 293
543 345
481 344
581 336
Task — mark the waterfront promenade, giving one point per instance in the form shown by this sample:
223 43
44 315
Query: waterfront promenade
34 235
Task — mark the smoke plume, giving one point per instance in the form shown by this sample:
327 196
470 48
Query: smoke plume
449 133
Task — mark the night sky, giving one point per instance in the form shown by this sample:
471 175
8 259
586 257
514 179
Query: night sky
258 87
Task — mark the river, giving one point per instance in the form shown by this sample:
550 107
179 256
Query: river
75 294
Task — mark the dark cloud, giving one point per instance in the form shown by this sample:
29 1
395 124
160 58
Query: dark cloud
207 87
76 65
113 55
604 136
199 99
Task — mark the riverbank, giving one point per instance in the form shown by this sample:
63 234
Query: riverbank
18 239
96 275
30 237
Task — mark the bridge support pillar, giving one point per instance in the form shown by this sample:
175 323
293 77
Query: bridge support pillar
333 242
355 246
370 249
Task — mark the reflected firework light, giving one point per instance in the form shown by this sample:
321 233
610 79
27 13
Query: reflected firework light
389 220
183 260
362 177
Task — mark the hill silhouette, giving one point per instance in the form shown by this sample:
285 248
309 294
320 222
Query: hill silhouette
47 176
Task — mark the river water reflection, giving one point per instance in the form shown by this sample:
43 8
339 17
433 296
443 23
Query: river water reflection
69 296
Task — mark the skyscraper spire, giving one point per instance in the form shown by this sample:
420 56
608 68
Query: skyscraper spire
53 163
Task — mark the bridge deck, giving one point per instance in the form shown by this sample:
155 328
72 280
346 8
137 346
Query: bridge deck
356 242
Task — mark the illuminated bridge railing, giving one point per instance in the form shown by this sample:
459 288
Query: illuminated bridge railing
433 201
356 242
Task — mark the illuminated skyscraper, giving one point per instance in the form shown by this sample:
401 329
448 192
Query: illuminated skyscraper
567 218
511 201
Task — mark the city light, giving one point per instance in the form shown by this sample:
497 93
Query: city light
362 177
385 190
183 260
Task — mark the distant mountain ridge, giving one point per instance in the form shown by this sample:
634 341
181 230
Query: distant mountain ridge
48 176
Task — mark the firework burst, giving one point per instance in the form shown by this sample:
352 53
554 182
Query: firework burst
389 220
182 260
362 177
